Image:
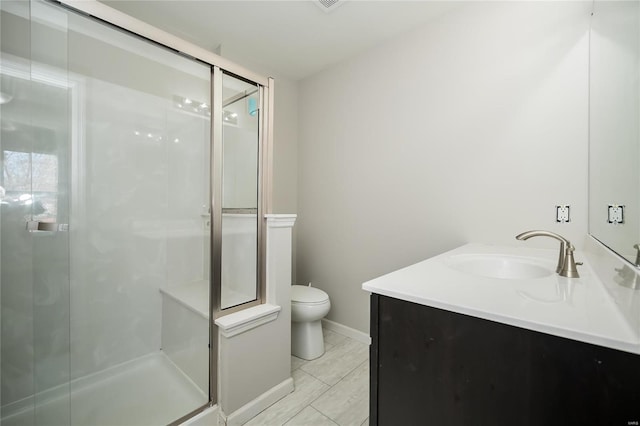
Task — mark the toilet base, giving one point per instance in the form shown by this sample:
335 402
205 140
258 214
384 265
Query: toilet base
306 340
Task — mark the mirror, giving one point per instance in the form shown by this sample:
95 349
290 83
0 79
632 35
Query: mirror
614 115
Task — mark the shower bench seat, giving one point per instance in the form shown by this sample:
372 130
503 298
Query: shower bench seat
186 308
193 296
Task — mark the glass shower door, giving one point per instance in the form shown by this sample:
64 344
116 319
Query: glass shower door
140 233
34 213
104 224
240 160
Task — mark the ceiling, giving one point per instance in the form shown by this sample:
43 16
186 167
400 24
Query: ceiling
293 39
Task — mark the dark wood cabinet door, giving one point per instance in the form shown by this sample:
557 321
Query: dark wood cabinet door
435 367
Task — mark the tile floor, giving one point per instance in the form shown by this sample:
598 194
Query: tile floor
331 390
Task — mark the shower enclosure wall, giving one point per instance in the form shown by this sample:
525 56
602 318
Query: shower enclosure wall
130 196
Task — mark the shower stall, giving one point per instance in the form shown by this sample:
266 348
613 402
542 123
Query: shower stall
132 168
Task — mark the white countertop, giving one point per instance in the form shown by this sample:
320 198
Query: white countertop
576 308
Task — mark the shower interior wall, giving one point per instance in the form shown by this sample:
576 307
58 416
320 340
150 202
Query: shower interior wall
140 223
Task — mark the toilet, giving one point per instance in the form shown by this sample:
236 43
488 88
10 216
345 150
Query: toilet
308 306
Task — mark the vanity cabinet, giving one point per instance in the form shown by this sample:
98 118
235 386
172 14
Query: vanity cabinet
435 367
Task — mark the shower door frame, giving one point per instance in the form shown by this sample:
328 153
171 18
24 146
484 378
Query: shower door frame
218 65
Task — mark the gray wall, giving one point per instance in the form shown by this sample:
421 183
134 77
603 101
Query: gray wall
285 149
285 155
469 129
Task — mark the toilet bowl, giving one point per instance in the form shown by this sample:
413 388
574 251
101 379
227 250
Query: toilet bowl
308 306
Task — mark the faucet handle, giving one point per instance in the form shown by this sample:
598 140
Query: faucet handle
569 268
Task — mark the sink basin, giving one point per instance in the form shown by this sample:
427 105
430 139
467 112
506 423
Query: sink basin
501 266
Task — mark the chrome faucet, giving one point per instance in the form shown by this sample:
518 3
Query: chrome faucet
566 262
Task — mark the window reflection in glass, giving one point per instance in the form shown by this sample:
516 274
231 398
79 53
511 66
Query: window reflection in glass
28 175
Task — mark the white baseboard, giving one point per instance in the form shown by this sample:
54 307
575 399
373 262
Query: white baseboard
346 331
256 406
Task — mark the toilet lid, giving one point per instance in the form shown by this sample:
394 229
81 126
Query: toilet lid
304 294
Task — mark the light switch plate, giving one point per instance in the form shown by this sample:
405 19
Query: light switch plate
562 214
615 214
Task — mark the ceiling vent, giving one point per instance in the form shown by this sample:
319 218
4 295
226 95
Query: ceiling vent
328 5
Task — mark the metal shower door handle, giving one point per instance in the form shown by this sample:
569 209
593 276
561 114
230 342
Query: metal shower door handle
36 225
